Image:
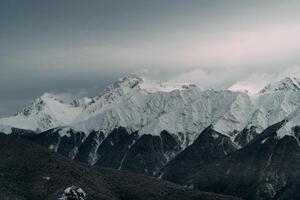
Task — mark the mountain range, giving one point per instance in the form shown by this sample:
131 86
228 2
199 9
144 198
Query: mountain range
221 141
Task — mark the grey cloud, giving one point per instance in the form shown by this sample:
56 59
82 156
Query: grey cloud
75 46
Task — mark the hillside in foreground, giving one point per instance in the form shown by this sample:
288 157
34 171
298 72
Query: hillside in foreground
29 171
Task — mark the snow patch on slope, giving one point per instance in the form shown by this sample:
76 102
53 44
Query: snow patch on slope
5 129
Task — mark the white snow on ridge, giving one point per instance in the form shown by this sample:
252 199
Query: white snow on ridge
150 107
154 86
292 119
273 107
188 110
287 84
46 112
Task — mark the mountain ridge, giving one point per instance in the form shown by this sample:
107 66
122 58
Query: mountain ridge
149 107
212 154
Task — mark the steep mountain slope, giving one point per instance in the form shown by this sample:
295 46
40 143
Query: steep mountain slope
188 110
258 171
145 154
150 153
29 171
276 101
46 112
208 147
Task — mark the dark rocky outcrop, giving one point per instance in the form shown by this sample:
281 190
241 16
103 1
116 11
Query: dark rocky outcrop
87 151
246 136
209 146
150 153
114 147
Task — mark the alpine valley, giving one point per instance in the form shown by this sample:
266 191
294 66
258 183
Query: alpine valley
220 141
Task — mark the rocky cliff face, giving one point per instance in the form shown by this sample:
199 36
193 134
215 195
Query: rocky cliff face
208 147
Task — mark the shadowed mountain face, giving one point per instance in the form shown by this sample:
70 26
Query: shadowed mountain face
209 146
150 154
145 154
245 136
258 171
31 172
87 151
291 190
114 148
263 168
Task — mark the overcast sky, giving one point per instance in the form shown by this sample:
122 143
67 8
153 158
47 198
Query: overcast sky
80 46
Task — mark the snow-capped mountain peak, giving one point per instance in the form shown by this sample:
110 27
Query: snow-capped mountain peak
122 85
129 81
133 88
275 102
40 104
45 112
134 81
286 84
150 107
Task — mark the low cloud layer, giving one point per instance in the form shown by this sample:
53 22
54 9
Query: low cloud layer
79 47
